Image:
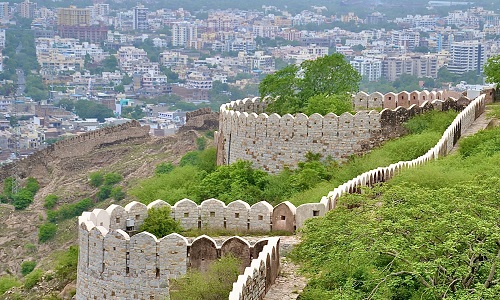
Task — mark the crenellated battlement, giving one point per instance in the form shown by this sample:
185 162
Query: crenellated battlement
273 142
114 265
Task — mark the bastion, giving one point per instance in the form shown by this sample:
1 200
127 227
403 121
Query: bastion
113 263
274 142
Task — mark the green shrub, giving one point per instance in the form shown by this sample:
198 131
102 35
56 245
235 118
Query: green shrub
96 179
68 211
201 143
112 178
32 279
216 283
22 199
30 248
67 263
32 185
50 201
7 282
436 121
46 232
160 223
104 193
164 168
117 193
27 267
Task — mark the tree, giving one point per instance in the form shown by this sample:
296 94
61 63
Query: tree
492 69
293 87
88 109
160 223
110 64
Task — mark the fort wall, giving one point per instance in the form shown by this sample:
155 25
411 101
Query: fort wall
114 265
75 147
274 142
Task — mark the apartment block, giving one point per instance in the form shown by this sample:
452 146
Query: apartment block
467 56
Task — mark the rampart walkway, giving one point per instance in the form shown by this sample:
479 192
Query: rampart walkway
290 283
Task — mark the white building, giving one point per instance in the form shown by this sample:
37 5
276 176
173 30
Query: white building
370 68
467 56
140 18
184 34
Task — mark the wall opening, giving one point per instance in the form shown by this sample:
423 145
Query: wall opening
186 215
261 217
157 273
117 220
236 215
315 213
212 214
283 218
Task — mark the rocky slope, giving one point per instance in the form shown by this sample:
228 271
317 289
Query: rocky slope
68 179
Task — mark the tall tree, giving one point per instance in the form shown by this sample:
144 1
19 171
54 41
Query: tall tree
293 87
492 69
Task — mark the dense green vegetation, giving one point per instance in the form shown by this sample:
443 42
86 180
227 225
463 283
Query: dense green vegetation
429 233
106 182
23 197
197 178
316 86
215 283
492 69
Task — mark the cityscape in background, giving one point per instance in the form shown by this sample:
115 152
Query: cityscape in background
155 64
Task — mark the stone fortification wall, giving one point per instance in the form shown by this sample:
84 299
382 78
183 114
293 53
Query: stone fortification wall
212 214
364 101
201 119
75 146
114 265
273 142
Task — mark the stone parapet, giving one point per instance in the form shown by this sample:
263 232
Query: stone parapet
274 142
114 265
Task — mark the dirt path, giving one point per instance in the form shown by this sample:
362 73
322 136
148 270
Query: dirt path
479 124
289 283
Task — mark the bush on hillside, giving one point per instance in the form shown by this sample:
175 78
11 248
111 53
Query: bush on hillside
32 279
46 232
50 201
7 282
96 179
67 263
68 211
27 267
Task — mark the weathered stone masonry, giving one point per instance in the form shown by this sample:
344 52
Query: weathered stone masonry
114 265
273 142
75 147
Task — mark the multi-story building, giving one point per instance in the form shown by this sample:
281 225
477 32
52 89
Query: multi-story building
173 58
184 34
73 16
75 22
370 68
129 56
416 65
2 38
140 21
406 39
28 9
197 80
466 56
4 10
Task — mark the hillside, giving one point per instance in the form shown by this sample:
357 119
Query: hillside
68 179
